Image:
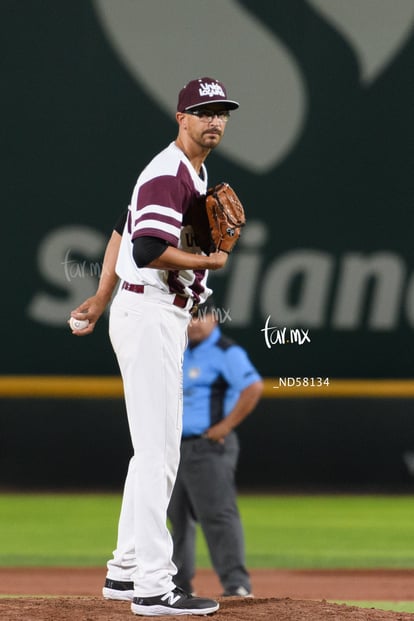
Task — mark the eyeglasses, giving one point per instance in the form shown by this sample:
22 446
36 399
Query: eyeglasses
206 116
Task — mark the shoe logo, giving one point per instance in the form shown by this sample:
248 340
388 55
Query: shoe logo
171 598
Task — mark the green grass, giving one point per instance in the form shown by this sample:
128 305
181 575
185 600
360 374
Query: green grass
59 530
380 605
281 531
297 532
329 531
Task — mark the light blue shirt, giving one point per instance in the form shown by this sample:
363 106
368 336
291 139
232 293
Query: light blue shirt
215 372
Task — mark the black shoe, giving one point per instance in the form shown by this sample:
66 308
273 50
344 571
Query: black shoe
176 602
117 589
240 591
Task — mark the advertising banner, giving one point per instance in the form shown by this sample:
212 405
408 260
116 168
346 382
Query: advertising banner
320 152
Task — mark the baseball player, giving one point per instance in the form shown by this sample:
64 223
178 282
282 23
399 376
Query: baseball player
221 387
162 276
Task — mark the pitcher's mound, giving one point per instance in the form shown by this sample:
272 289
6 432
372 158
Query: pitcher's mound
231 609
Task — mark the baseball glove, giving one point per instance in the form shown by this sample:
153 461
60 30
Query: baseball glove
217 219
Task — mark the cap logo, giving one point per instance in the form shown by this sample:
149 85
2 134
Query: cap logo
211 89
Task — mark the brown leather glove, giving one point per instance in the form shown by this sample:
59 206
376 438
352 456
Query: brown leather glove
217 219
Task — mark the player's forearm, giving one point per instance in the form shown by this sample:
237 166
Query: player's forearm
176 259
109 278
92 308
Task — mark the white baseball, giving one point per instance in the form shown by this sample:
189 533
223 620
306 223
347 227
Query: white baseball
78 324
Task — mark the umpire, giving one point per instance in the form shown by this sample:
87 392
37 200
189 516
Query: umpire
221 387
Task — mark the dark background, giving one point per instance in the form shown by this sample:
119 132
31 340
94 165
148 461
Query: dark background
288 445
77 128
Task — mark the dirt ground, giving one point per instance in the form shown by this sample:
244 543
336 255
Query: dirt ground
62 594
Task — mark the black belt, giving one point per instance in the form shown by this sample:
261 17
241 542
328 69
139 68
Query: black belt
178 300
186 438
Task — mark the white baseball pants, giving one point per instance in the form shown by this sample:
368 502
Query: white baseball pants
149 336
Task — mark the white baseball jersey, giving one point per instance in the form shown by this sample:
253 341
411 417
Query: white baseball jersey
161 197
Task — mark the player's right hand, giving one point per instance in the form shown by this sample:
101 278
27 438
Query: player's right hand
217 260
91 309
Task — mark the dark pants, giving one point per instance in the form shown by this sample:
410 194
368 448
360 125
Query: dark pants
205 492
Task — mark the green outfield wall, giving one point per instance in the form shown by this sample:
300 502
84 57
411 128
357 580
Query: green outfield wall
320 152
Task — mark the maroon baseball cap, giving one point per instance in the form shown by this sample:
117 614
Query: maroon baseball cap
204 91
